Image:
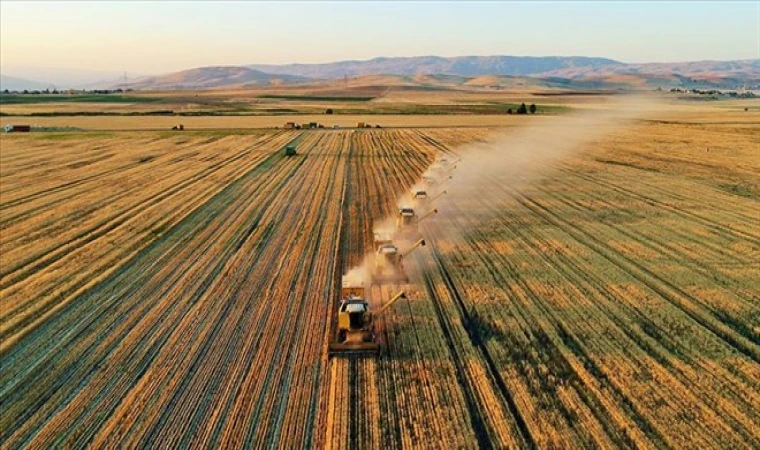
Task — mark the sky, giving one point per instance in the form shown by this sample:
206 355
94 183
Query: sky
159 37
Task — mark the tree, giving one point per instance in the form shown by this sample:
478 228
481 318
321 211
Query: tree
509 111
533 108
329 111
5 91
522 109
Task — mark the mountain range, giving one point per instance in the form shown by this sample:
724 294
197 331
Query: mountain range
428 65
567 71
603 72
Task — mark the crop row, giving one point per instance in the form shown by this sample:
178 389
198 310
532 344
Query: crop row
180 291
210 328
605 324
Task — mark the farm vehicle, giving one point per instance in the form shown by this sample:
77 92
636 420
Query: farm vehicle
356 329
389 262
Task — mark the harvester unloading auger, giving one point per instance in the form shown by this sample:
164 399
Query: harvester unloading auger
389 262
356 329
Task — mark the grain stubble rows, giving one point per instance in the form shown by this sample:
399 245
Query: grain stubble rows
180 291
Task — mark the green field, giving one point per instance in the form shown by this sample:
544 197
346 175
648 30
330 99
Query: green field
316 98
19 99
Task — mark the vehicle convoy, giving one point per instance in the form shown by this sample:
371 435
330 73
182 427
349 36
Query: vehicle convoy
407 222
389 262
356 332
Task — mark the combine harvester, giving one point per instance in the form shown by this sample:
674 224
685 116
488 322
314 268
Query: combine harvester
389 261
407 223
423 198
441 169
432 180
419 194
444 162
356 328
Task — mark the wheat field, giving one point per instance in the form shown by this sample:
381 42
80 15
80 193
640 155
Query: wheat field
180 290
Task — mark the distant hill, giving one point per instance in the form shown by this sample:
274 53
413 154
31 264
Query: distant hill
697 74
437 65
584 71
19 84
506 72
213 77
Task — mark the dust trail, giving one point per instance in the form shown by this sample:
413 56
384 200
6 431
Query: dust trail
517 159
524 156
360 274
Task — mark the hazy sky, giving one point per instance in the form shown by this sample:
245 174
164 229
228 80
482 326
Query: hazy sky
157 37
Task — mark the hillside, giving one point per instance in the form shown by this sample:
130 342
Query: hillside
18 84
473 72
460 65
213 77
717 74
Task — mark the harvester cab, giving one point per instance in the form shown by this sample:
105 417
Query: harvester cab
356 334
420 194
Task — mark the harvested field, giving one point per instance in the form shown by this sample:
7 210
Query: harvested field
179 290
243 122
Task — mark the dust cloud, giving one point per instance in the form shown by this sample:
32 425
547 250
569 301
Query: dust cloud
521 157
516 159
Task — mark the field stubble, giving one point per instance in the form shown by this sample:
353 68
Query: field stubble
180 291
